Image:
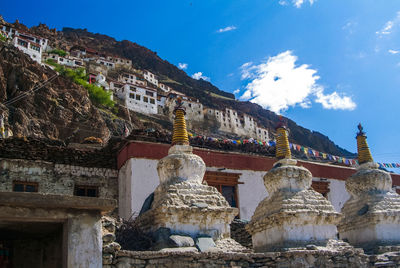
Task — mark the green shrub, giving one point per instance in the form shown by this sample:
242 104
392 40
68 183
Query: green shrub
3 38
59 52
96 94
51 62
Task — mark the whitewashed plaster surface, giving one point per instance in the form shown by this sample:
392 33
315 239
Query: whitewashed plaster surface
84 242
138 178
337 192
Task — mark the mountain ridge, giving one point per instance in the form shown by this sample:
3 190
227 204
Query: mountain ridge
171 75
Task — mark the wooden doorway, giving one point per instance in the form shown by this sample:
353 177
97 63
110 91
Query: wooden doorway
226 183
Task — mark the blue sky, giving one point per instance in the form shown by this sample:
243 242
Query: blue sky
328 65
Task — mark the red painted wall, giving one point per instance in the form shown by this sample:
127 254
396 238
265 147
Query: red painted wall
138 149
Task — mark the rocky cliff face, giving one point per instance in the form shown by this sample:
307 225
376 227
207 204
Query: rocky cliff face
142 58
60 109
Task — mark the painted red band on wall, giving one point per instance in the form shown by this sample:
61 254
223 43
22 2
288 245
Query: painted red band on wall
156 151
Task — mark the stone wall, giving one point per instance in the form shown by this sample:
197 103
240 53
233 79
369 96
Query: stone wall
240 234
300 258
57 152
57 178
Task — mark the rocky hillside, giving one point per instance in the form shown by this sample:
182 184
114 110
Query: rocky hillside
142 58
60 109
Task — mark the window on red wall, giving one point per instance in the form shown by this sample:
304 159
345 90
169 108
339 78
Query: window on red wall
226 183
398 190
321 187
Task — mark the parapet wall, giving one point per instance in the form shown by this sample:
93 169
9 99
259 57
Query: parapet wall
295 259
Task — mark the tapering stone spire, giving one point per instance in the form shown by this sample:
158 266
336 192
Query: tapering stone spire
293 214
180 135
282 141
182 203
372 214
364 154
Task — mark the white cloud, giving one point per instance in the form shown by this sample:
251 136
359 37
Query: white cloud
335 101
236 91
278 83
248 70
390 25
296 3
226 29
392 51
182 66
199 75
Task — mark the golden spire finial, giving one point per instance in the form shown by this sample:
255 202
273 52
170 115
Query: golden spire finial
364 154
282 141
180 135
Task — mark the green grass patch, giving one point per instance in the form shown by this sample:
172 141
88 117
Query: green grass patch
218 96
96 94
59 52
169 80
3 38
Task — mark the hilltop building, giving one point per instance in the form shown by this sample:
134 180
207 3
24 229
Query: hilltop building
193 107
136 98
120 62
30 44
132 78
242 125
164 87
149 76
69 61
103 61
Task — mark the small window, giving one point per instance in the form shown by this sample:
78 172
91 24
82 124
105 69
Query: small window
22 43
84 190
23 186
35 48
148 93
131 95
152 101
137 97
145 99
321 187
190 105
132 88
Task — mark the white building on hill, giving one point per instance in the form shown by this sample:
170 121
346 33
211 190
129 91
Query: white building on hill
149 76
164 87
241 125
68 60
28 43
194 108
120 62
136 98
105 62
